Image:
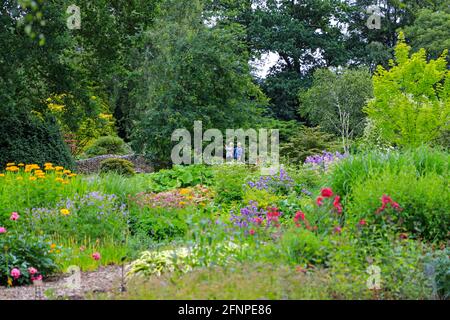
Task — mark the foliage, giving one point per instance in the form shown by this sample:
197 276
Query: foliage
307 142
181 177
358 168
411 104
28 185
24 252
341 96
229 180
107 145
28 138
430 30
198 72
119 166
423 200
94 216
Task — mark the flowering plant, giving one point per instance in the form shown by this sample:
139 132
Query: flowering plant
324 161
279 183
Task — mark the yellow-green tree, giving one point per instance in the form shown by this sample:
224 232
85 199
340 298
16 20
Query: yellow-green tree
411 104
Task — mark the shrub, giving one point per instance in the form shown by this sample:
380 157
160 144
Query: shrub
411 104
424 202
27 138
119 166
229 182
354 169
302 247
107 145
181 177
306 142
24 251
159 224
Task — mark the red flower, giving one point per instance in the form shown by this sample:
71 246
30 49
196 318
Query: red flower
362 222
337 204
319 201
403 236
299 216
385 200
252 232
326 192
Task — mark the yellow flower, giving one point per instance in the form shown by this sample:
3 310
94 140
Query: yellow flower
33 178
59 179
38 172
2 174
52 246
72 175
48 164
185 191
59 168
20 165
65 182
67 172
10 164
65 212
12 168
182 203
19 178
10 282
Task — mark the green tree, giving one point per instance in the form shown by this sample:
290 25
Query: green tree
335 102
412 98
191 71
431 30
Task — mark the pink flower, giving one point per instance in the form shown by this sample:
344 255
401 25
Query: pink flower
337 229
2 230
252 232
326 192
38 278
14 216
362 222
96 256
15 273
319 201
32 271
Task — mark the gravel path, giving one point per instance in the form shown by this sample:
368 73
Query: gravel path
104 280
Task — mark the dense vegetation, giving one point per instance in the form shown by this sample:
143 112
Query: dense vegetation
363 115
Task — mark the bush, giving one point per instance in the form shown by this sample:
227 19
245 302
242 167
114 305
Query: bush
229 180
27 138
424 202
181 177
307 142
160 224
411 104
119 166
303 247
358 168
107 145
23 252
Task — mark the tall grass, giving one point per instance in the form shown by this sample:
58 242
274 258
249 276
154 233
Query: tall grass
358 168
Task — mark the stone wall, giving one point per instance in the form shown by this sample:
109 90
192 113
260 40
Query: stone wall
92 165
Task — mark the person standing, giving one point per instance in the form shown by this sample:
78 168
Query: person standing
229 152
238 153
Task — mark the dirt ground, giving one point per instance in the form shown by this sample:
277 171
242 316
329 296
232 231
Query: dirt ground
82 285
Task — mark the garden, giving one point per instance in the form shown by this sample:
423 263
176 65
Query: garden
357 208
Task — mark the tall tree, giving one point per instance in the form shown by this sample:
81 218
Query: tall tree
430 30
191 71
335 102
